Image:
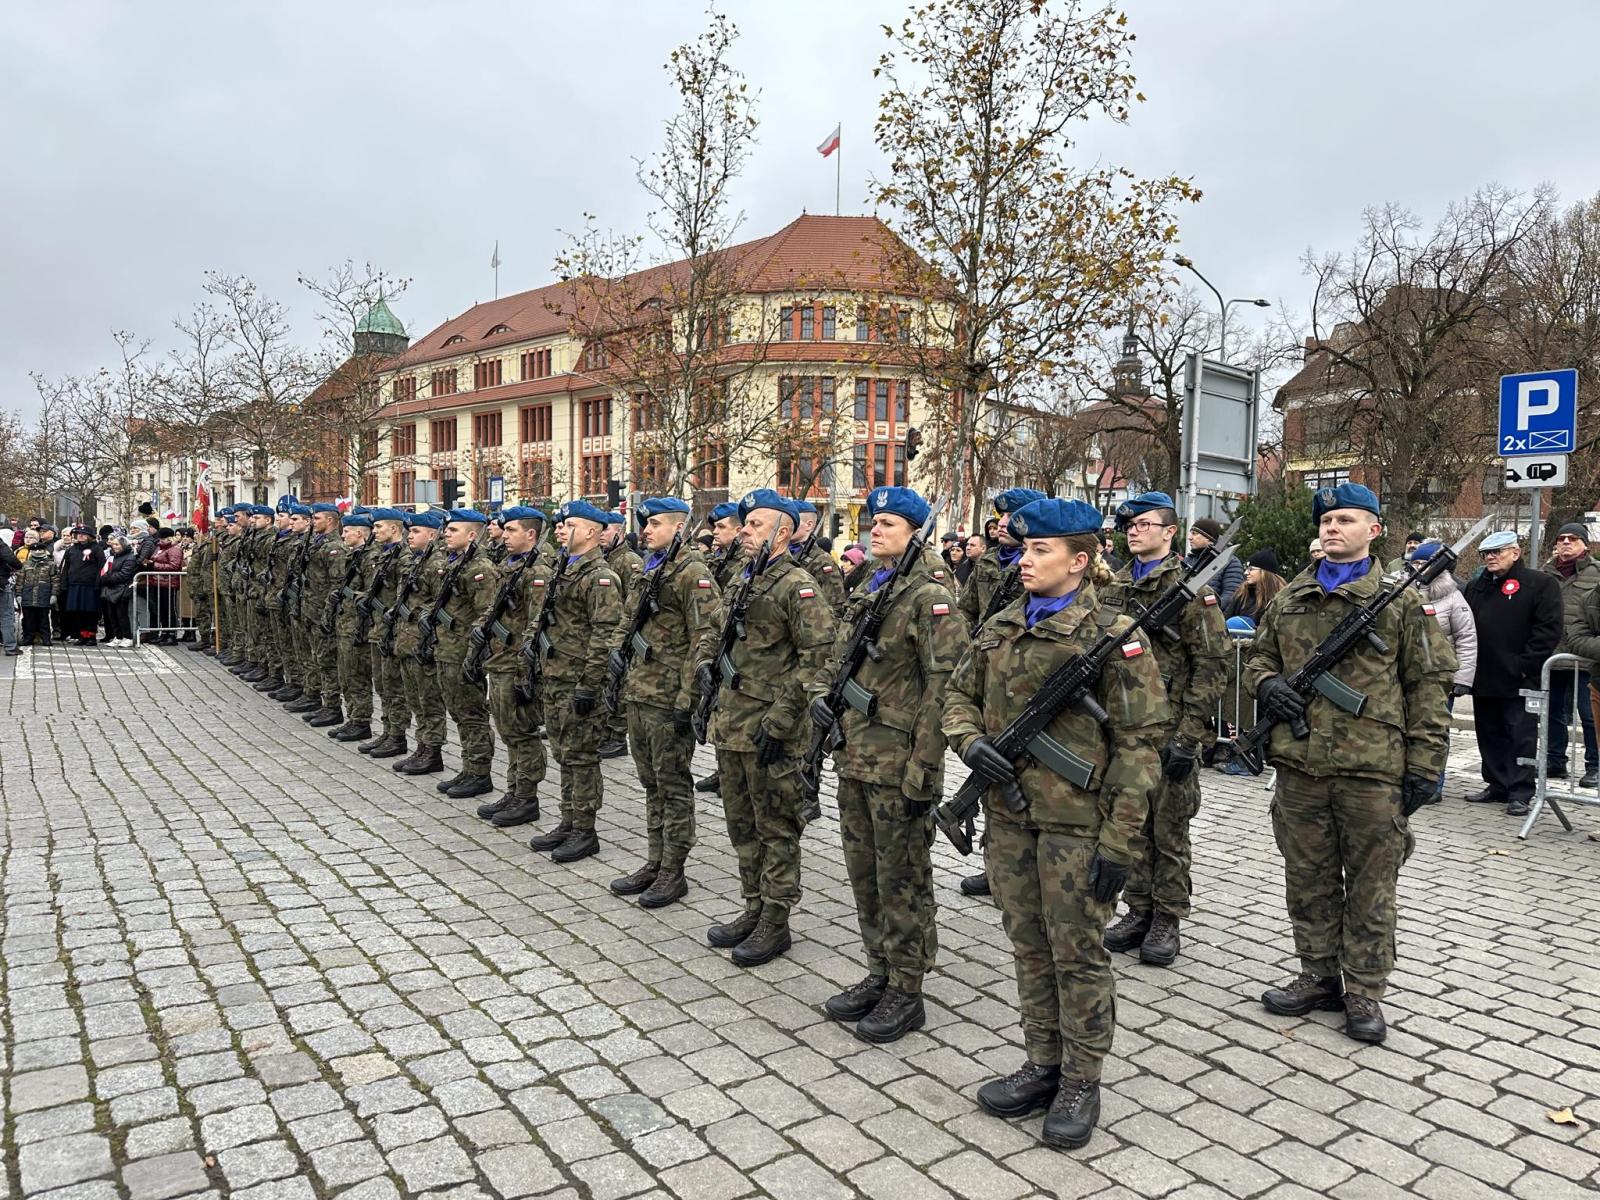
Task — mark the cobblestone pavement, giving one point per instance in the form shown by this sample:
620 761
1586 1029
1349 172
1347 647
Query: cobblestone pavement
253 962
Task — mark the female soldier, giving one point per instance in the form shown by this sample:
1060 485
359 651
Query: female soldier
1056 867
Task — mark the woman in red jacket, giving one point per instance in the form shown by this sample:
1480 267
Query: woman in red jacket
162 588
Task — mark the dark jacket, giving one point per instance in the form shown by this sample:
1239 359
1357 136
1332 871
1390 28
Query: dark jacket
80 566
10 564
119 572
1575 592
1225 583
1518 616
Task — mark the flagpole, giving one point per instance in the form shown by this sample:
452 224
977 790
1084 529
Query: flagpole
838 171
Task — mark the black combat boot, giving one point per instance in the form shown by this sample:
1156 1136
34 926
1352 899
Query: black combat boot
243 667
975 885
426 761
549 841
670 885
1363 1018
1129 931
468 786
351 731
523 810
711 783
267 683
857 1000
391 745
325 718
1304 993
766 941
444 785
1027 1089
1162 942
369 746
288 693
734 932
896 1015
307 706
612 748
1073 1114
490 807
580 844
635 881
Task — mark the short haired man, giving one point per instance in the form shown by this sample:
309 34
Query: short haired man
1578 574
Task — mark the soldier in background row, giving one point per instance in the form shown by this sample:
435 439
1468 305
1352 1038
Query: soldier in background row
424 700
324 571
380 586
727 560
354 659
628 567
818 563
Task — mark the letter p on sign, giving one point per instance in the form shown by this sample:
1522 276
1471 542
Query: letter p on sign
1536 398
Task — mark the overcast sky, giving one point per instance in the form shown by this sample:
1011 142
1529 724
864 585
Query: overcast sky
144 143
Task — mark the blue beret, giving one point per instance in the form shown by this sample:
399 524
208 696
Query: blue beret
325 508
657 505
522 512
468 514
260 510
228 515
725 510
1010 501
801 507
613 518
583 510
1143 503
358 521
1498 541
1056 518
1346 495
299 510
900 501
433 518
284 502
1426 551
767 498
386 514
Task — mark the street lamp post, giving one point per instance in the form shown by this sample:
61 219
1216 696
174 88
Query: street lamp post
1222 335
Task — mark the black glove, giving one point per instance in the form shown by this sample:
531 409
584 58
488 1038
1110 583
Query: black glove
582 702
1460 689
704 681
821 714
682 722
768 748
616 664
1106 879
1415 791
1278 700
988 763
1177 763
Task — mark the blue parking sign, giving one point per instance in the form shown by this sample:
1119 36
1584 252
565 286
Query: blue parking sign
1539 413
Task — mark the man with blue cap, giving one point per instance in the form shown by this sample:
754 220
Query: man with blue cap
228 586
281 663
300 692
1056 867
197 571
380 587
891 766
257 561
424 697
727 560
1193 656
819 564
1346 791
354 663
461 590
322 572
759 725
628 567
658 694
994 583
588 609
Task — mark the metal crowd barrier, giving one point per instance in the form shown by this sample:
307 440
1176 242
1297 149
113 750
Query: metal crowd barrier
1539 702
148 600
1236 708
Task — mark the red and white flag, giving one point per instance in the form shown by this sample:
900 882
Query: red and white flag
831 142
202 497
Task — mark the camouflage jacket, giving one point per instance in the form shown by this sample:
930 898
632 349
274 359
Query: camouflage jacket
901 744
820 566
257 556
496 551
988 573
417 569
522 609
584 624
686 606
345 626
725 566
787 635
324 572
1404 726
468 603
197 570
1195 667
285 554
380 581
1005 667
628 567
36 582
227 556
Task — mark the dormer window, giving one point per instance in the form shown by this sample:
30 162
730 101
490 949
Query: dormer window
498 329
454 340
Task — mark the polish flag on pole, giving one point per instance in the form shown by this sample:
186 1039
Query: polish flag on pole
202 497
831 142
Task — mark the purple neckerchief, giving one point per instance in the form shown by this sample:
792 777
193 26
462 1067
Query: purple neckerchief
879 578
1140 568
1040 607
1331 574
657 557
1009 555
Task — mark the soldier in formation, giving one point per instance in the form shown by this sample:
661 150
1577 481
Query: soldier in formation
727 559
628 567
380 589
460 591
342 619
818 563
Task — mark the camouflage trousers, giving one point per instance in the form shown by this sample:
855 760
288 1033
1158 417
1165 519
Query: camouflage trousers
1343 842
1162 856
575 742
200 603
280 647
424 700
324 649
355 677
661 757
261 652
518 725
618 725
305 664
391 690
468 706
1065 987
762 806
887 840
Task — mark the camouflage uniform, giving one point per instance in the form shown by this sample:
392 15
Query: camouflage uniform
518 724
588 608
891 769
1194 669
324 574
263 585
628 567
197 582
1038 861
424 697
659 681
988 575
473 592
787 636
226 599
284 662
381 584
354 656
308 676
819 564
1336 815
726 567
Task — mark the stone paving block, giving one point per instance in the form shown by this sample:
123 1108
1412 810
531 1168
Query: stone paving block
165 1177
523 1170
612 1176
34 1090
257 1163
62 1161
798 1178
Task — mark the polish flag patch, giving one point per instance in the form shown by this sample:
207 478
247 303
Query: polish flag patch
1430 610
1212 599
827 570
1132 649
538 583
807 593
704 583
941 610
604 581
476 578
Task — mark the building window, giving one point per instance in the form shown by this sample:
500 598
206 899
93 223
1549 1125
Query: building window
880 408
595 356
442 435
863 326
536 364
808 323
498 329
786 323
369 489
443 382
711 465
486 374
403 487
454 339
536 477
646 413
536 424
403 440
863 398
595 471
830 323
858 467
1317 480
486 429
596 417
405 389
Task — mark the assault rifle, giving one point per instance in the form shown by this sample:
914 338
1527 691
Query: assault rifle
633 643
400 610
429 624
1008 589
330 619
493 623
536 646
295 585
367 606
863 644
732 631
1071 685
1315 676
